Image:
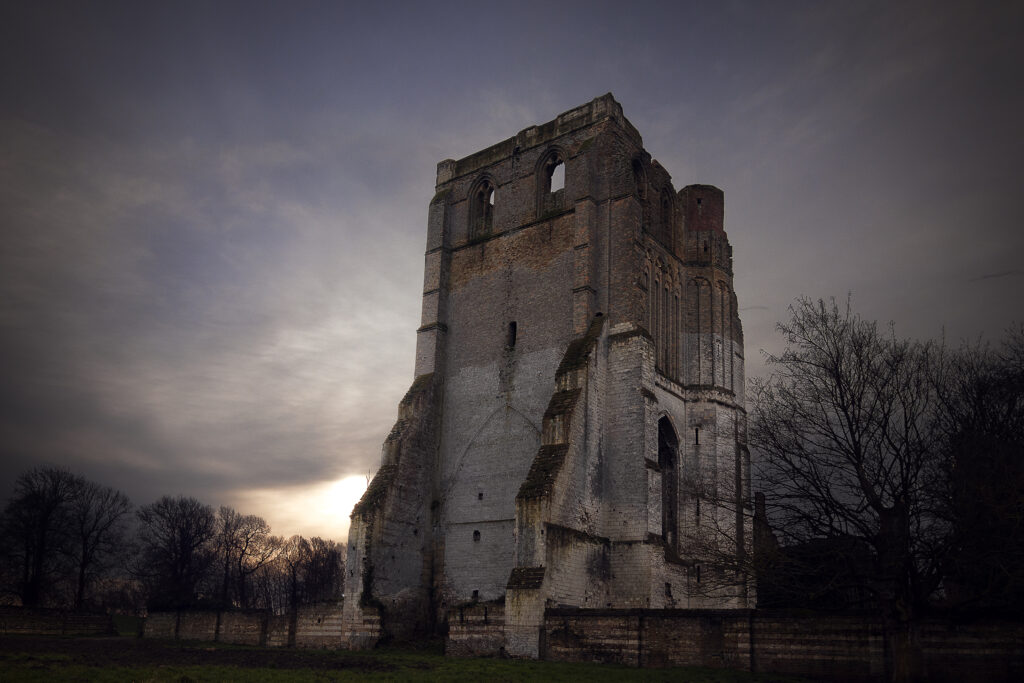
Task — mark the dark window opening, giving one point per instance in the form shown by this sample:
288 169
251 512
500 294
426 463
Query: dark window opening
698 201
698 573
550 184
668 589
480 495
554 174
639 180
482 209
668 446
476 595
476 536
511 334
705 247
696 436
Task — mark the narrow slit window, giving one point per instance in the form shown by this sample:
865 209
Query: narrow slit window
476 536
512 331
696 436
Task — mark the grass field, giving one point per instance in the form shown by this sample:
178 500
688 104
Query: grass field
52 658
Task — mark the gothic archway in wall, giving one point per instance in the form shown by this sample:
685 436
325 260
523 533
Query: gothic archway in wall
668 461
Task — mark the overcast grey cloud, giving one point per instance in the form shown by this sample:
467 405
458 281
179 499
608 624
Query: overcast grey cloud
213 213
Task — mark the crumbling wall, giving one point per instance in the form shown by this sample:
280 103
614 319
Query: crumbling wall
390 556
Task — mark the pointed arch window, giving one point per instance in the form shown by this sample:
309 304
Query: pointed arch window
481 208
668 461
550 183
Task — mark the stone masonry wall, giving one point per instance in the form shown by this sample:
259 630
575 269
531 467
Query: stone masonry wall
834 648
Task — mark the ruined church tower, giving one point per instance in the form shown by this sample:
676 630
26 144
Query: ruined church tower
575 434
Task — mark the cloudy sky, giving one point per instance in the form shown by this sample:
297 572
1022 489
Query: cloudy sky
213 213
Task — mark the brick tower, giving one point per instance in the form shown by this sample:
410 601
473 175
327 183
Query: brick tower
575 432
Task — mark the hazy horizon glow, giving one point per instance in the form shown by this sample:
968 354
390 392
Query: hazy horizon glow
214 213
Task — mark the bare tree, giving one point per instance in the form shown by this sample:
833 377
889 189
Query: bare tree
844 428
95 519
324 570
982 422
176 549
35 528
302 572
245 545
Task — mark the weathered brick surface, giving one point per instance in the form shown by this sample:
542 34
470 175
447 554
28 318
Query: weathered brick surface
243 627
835 648
476 630
319 626
197 625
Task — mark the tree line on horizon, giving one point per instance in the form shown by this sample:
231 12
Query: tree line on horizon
70 543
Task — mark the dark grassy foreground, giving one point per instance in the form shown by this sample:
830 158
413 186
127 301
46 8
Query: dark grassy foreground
51 658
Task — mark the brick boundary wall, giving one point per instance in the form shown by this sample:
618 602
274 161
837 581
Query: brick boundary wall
28 621
476 630
823 647
313 626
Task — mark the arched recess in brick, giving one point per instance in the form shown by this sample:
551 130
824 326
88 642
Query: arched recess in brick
550 172
481 207
677 333
705 323
666 217
668 462
647 295
724 332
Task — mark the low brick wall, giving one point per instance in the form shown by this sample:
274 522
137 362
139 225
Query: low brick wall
197 625
476 630
837 648
53 622
313 626
244 627
160 625
281 630
319 626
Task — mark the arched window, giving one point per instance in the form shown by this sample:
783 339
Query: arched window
481 208
668 461
666 218
639 179
550 183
